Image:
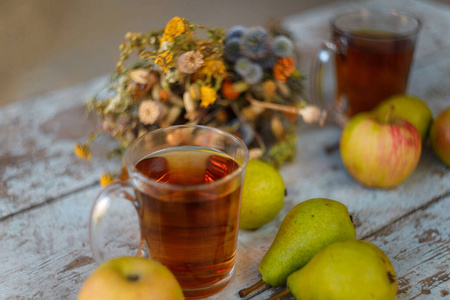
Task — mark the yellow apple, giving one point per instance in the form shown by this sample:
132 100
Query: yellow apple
131 278
409 108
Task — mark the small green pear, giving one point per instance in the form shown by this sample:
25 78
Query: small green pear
262 195
307 228
351 269
409 108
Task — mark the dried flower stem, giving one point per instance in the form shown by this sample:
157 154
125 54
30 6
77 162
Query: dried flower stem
92 137
310 114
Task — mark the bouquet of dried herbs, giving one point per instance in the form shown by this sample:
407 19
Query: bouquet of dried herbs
243 80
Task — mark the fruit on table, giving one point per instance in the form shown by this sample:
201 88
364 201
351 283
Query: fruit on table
351 269
409 108
132 278
262 195
440 136
306 229
380 153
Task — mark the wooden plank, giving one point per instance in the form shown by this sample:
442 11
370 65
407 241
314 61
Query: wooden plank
36 179
37 162
46 255
53 238
45 251
419 247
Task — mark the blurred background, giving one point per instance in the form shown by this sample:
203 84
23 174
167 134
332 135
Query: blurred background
50 44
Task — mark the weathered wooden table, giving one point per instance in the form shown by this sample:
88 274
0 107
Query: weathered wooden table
46 193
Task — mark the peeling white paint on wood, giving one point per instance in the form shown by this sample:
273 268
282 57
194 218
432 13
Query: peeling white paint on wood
37 162
419 246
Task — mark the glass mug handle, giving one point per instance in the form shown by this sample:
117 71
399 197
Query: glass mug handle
116 191
321 59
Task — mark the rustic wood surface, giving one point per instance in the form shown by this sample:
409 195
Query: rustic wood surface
46 193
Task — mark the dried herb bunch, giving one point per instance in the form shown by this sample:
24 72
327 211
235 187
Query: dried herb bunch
243 80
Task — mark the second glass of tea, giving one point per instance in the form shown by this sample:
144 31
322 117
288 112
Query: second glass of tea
373 50
185 182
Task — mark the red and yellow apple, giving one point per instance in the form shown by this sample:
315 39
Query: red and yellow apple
131 278
379 153
440 136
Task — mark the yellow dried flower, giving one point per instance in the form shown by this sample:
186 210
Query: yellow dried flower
105 179
82 151
175 27
213 68
166 38
208 96
149 112
163 60
269 89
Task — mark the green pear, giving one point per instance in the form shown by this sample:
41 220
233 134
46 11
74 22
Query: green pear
307 228
262 195
409 108
351 269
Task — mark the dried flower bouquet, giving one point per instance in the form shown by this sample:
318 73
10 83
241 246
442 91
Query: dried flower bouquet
243 80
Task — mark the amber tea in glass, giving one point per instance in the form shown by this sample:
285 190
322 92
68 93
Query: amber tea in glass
185 182
193 232
373 52
375 66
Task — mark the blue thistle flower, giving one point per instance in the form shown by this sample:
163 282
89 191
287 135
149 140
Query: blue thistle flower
243 66
268 61
233 49
236 31
282 46
254 75
255 43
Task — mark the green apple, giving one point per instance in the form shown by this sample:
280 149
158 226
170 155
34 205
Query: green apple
131 278
379 153
440 136
410 108
262 195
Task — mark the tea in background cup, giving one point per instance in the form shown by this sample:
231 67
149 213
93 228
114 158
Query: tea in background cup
185 183
373 51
